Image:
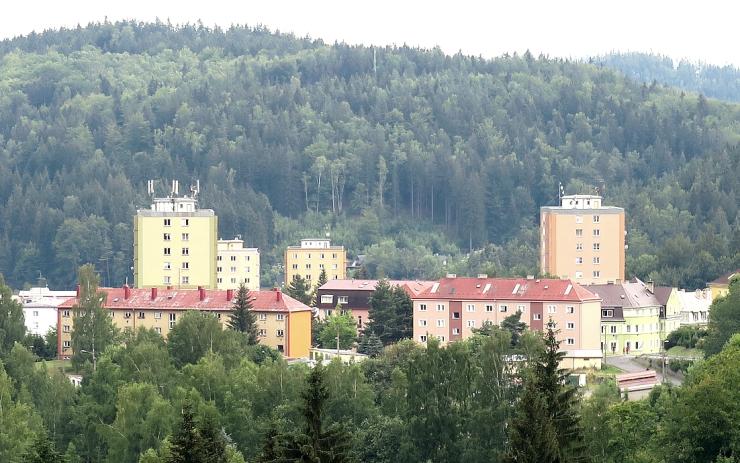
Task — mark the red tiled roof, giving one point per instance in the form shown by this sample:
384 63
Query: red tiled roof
507 289
215 299
725 279
412 287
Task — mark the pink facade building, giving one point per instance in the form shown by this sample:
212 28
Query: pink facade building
450 309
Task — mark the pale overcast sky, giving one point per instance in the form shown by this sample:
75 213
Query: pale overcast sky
701 30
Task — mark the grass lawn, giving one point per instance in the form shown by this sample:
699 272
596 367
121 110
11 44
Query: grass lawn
678 351
609 370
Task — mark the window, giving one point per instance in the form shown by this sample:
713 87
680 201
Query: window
166 237
579 274
579 231
629 328
167 265
308 266
185 280
455 331
423 338
167 251
280 317
233 258
247 258
327 298
570 325
471 308
608 313
262 333
456 315
219 258
579 219
334 255
471 323
185 251
321 266
597 246
343 299
65 313
262 316
322 255
219 280
579 260
65 329
173 319
185 236
185 265
233 280
35 313
579 246
441 338
158 330
440 307
521 307
333 266
185 222
127 315
67 344
422 307
233 269
295 266
157 315
538 316
597 232
280 333
637 345
596 260
571 341
248 269
167 222
597 274
440 322
503 308
489 308
596 219
422 323
219 269
603 329
570 309
141 315
637 328
550 309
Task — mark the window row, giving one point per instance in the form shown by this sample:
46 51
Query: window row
183 222
595 232
596 260
233 258
595 219
168 251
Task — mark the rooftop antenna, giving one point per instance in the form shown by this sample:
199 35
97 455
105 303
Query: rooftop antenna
195 189
561 192
175 188
150 187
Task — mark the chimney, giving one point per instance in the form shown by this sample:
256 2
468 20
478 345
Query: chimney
278 294
201 293
126 292
78 290
229 294
154 293
650 286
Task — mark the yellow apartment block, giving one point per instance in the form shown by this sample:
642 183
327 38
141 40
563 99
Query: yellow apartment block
583 240
283 323
720 286
175 245
313 256
236 264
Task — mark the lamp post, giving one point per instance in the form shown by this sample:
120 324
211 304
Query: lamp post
93 357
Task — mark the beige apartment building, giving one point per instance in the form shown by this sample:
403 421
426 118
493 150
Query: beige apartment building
452 308
313 256
283 323
583 240
236 264
175 244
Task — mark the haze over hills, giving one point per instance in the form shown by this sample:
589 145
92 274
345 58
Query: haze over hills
402 153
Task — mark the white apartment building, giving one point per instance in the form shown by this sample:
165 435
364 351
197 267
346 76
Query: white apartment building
40 308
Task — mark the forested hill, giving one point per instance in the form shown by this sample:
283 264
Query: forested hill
721 82
404 154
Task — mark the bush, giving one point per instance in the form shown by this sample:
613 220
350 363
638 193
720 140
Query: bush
681 365
686 336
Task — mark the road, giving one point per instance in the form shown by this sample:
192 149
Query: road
629 364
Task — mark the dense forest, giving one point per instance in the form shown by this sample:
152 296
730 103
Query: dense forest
721 82
421 161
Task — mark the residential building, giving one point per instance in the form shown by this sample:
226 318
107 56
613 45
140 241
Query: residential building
453 307
283 323
694 306
583 240
354 296
720 286
630 318
40 308
236 264
313 256
670 308
175 244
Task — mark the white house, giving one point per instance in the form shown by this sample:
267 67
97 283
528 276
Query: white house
40 308
695 306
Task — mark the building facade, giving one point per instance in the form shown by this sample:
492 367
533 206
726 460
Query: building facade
236 264
450 309
720 286
694 306
283 322
313 256
40 308
583 240
670 309
354 296
630 318
175 245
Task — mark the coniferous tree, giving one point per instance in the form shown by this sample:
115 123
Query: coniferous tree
319 283
243 318
197 441
43 451
381 313
299 289
272 450
515 326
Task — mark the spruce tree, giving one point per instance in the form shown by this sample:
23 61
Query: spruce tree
299 289
197 441
242 316
515 326
43 452
272 448
381 313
